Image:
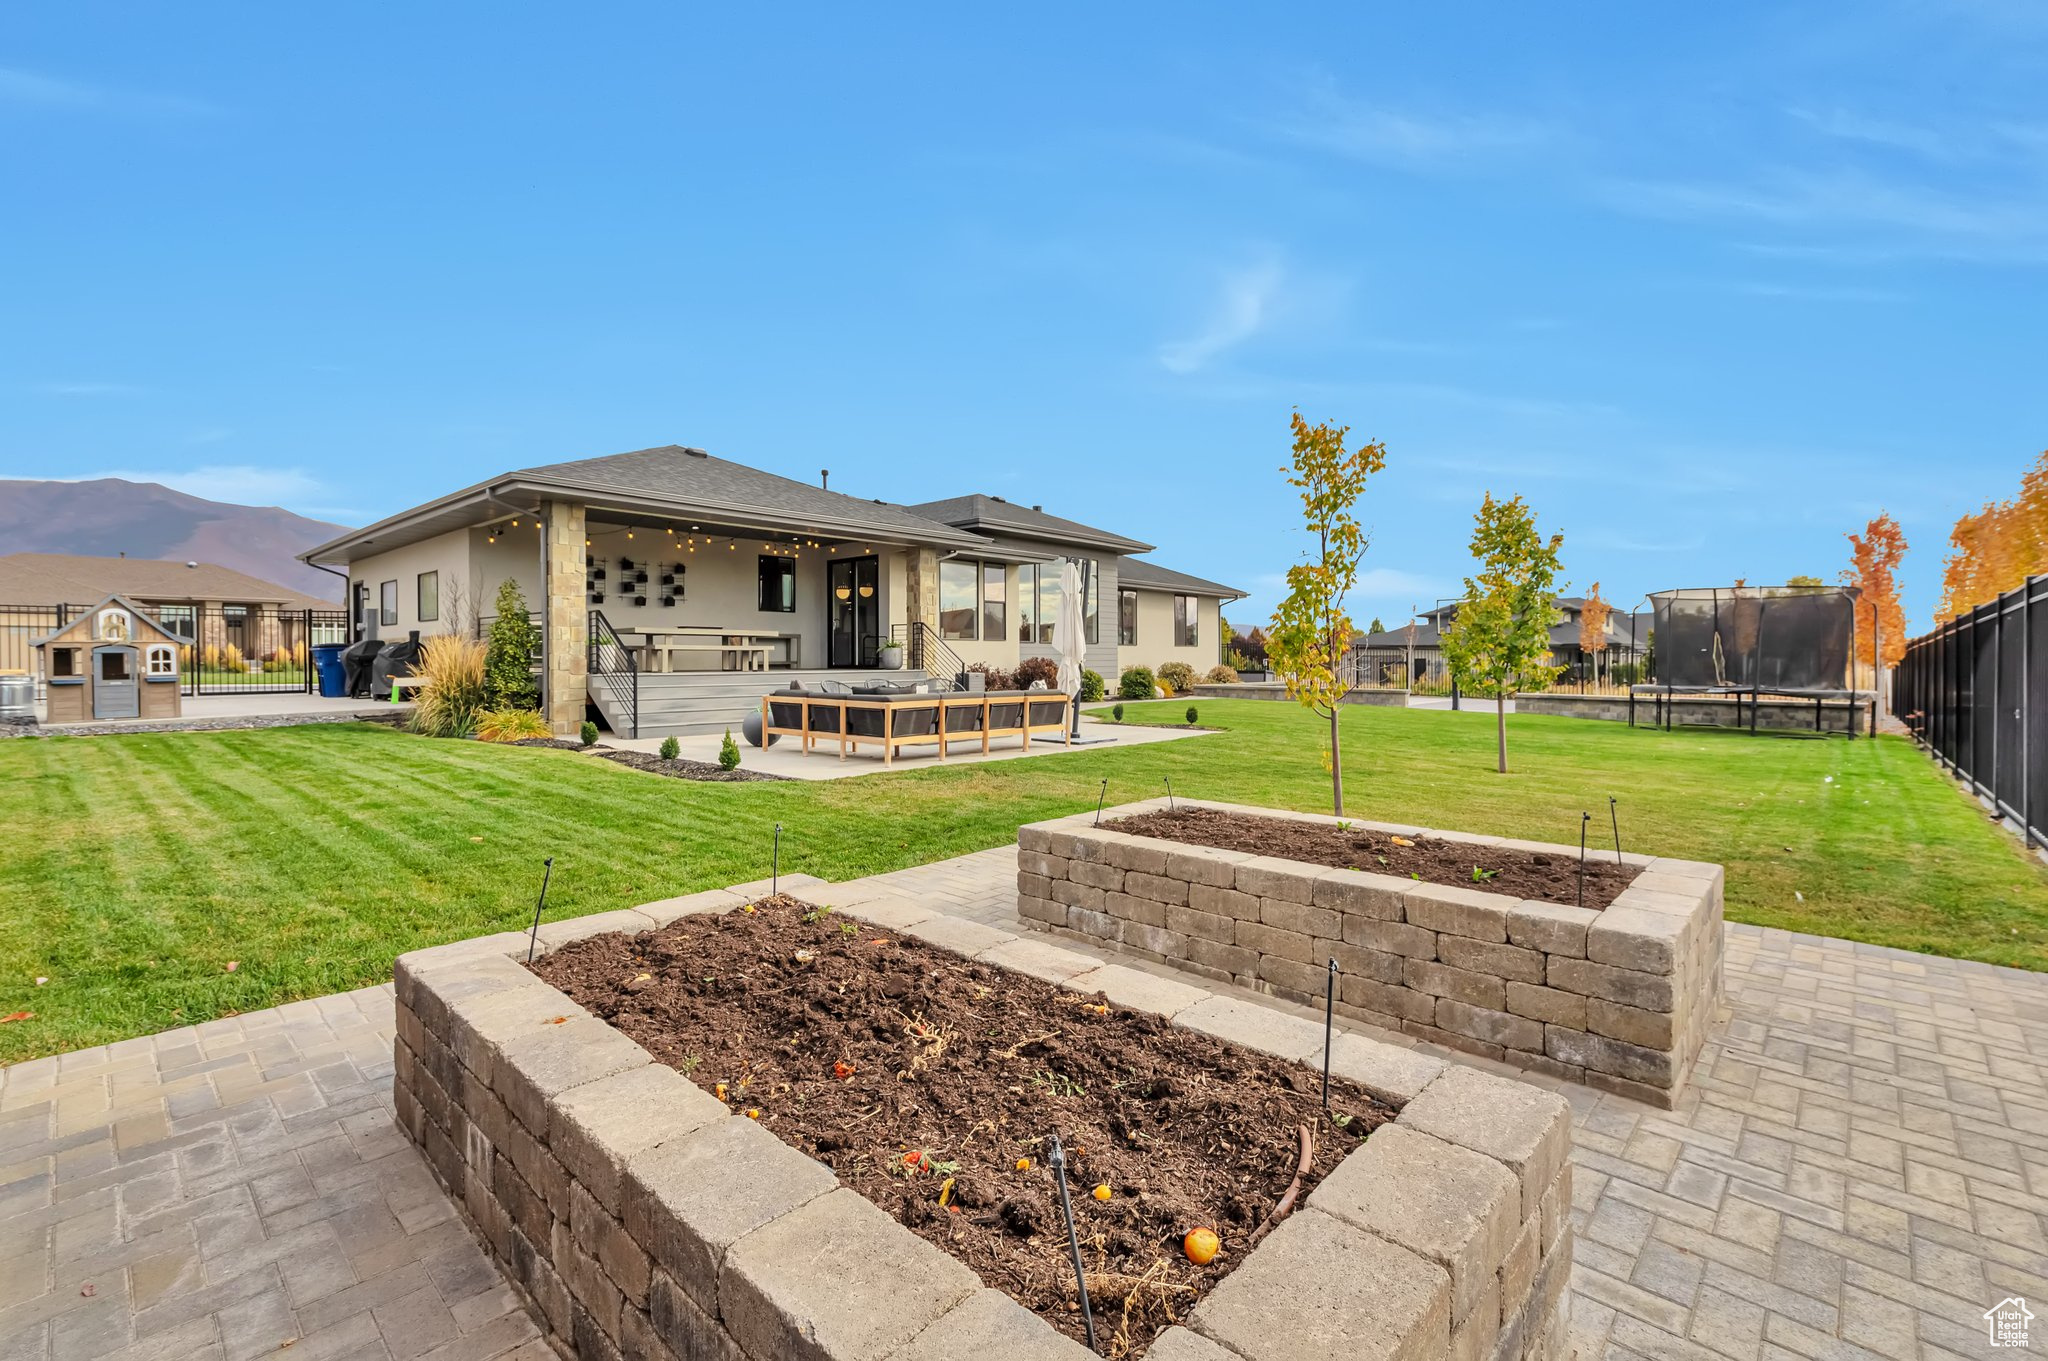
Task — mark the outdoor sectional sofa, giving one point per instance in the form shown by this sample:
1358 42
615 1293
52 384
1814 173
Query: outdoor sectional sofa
899 716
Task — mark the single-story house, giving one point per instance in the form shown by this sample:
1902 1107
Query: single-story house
1380 655
201 602
670 581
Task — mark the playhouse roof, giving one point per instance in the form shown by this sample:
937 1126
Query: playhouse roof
164 634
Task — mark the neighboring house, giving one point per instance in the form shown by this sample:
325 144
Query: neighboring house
690 563
198 601
1628 636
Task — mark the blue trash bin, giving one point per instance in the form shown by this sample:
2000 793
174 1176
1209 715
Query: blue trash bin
327 665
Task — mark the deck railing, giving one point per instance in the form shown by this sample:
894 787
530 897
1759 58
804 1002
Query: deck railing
614 672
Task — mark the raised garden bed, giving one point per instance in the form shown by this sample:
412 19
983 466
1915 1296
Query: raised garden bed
1496 867
1619 998
931 1083
638 1214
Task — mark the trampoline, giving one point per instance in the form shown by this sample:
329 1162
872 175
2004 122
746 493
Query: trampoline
1753 643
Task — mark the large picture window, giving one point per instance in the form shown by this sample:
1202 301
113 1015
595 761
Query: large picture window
957 607
429 596
1091 601
1126 618
1048 600
992 600
1187 631
777 584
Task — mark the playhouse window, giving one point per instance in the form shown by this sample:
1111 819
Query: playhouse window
163 661
114 625
63 661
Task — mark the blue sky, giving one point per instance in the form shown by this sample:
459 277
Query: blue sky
1708 286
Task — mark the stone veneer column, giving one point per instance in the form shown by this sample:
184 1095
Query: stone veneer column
567 614
921 591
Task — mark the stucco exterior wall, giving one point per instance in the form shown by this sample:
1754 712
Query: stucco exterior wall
1155 634
447 554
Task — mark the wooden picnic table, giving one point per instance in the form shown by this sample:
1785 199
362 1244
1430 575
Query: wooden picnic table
747 649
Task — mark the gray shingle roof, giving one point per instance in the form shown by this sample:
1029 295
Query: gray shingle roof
993 513
66 578
673 472
1151 576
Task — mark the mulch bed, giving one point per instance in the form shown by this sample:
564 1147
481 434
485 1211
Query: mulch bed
677 769
920 1076
1519 874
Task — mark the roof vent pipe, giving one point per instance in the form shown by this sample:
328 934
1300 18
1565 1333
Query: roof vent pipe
825 478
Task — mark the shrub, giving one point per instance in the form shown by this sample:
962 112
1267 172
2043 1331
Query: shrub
1220 675
729 753
1177 677
1117 712
588 732
1091 686
452 699
1137 683
510 725
670 748
231 659
1191 715
994 677
514 639
1037 669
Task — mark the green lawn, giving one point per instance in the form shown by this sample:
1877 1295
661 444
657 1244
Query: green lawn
136 868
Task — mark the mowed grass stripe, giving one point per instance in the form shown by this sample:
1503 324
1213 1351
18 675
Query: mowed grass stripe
136 867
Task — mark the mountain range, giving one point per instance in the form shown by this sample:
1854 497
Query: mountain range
110 516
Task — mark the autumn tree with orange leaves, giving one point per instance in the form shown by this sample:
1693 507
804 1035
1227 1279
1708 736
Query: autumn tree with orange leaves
1874 557
1593 621
1998 548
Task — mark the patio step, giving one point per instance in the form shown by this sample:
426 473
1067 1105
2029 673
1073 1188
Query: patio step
687 704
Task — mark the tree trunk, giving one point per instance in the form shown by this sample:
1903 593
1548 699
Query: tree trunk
1336 768
1500 725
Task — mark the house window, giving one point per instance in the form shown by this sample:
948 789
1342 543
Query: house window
777 581
1048 600
992 624
163 660
63 661
1126 618
430 596
1186 625
178 619
1091 602
387 600
957 581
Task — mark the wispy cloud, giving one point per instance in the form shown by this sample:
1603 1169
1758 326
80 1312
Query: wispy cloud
1906 216
246 484
38 90
86 389
1243 307
1843 125
1369 131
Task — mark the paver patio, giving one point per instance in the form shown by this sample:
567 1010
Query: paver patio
1858 1170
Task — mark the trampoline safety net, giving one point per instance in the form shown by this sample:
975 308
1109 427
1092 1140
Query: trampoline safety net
1774 639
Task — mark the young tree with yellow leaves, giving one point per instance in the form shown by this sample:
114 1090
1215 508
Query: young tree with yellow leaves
1874 557
1311 630
1499 641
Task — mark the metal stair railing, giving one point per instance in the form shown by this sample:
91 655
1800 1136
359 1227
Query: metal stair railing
613 670
928 652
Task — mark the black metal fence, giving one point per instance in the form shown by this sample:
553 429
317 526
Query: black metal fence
1972 693
1423 670
225 649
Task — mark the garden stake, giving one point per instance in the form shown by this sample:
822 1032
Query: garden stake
1584 818
1169 792
546 873
775 865
1098 802
1059 1166
1329 1025
1615 818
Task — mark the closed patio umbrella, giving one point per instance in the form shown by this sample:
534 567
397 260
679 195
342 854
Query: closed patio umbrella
1067 636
